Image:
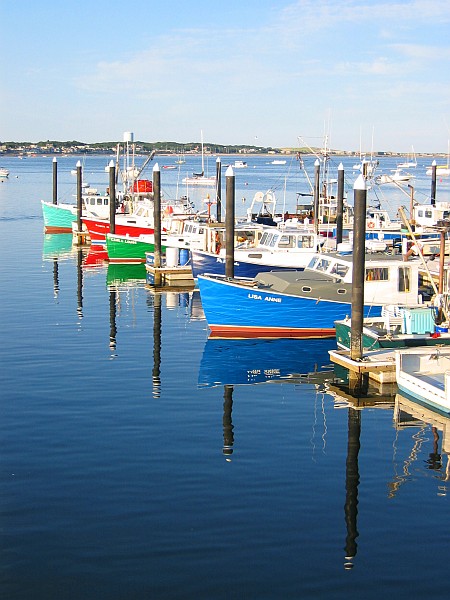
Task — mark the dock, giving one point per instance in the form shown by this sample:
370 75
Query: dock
379 365
170 276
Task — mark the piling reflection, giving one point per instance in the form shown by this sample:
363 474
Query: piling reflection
157 328
57 248
366 394
228 435
112 319
80 282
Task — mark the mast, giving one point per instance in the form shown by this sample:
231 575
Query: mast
203 160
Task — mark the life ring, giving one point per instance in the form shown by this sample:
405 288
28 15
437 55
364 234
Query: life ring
371 224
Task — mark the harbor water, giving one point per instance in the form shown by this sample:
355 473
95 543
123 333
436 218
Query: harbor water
141 459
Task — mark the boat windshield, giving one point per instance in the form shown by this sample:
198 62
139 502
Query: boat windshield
313 262
322 264
339 269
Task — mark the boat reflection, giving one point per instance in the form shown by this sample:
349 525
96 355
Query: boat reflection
126 275
58 246
420 421
254 360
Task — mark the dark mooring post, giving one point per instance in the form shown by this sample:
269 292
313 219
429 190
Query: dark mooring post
433 182
359 235
316 195
112 197
340 204
351 485
79 197
157 221
218 190
229 222
55 181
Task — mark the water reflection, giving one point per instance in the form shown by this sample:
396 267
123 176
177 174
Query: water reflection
80 282
369 395
430 437
57 248
249 361
156 372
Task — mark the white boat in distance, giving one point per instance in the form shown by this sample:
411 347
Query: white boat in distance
4 172
397 177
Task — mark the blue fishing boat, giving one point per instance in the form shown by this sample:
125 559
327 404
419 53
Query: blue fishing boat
304 304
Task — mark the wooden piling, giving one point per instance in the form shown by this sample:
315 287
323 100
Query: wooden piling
316 195
229 222
359 249
433 182
55 181
218 190
157 221
79 197
340 204
112 197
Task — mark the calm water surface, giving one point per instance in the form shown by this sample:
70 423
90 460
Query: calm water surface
140 459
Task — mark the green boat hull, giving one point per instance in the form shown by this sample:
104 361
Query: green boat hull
58 218
372 341
123 249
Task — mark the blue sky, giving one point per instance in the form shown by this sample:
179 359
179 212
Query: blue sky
265 72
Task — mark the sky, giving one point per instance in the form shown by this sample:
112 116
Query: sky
370 75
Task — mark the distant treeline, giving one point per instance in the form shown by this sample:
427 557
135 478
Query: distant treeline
74 146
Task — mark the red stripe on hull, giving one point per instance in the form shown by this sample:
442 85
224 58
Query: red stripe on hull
268 332
58 229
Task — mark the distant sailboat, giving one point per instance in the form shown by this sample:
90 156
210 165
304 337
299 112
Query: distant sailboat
200 178
410 161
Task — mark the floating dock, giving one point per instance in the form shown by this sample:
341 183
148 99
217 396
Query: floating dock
379 365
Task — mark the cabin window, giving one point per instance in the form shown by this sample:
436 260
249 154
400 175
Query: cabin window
377 274
201 230
286 241
99 202
323 264
306 288
264 238
313 262
420 213
339 269
404 279
273 241
428 214
305 241
342 291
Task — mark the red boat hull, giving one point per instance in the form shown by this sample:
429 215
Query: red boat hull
98 229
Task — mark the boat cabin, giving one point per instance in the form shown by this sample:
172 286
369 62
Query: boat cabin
387 279
427 215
